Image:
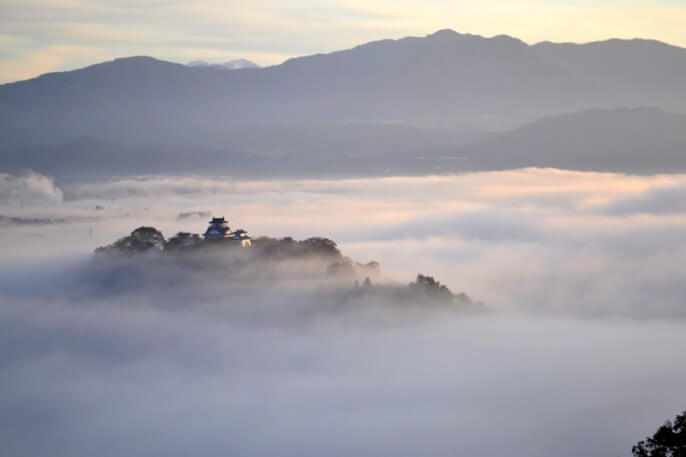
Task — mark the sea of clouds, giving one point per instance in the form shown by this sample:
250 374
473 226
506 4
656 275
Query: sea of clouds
546 241
580 356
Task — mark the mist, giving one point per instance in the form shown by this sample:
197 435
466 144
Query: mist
134 377
214 355
443 244
530 240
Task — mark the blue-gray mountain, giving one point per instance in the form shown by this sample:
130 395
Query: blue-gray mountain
431 97
639 140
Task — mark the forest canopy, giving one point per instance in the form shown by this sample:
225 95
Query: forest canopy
668 441
268 259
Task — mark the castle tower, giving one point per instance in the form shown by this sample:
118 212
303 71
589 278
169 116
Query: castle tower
218 229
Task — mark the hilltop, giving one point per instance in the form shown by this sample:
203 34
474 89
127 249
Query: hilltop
445 79
136 260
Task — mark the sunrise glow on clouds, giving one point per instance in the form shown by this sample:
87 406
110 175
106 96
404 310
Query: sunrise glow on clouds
533 239
38 36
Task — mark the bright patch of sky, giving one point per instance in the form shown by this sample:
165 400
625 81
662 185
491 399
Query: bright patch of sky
38 36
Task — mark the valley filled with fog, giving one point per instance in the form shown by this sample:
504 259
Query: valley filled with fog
573 352
452 244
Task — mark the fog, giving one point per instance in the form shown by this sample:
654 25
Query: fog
147 356
533 240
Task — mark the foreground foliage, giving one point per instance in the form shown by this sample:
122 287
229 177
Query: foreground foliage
668 441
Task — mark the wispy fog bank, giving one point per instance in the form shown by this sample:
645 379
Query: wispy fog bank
539 240
148 356
29 187
146 378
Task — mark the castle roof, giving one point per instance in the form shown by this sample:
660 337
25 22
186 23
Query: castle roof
219 229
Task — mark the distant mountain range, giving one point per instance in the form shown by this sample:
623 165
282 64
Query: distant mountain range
442 95
639 140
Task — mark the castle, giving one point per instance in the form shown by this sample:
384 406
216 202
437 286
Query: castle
219 230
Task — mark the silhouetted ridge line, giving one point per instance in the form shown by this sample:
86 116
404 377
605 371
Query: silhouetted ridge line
445 82
268 259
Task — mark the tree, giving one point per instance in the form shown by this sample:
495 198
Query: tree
321 246
183 240
428 287
668 441
141 240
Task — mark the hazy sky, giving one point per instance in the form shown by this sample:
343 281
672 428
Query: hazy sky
37 36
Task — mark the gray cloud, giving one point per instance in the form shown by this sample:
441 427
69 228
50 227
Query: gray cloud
29 187
480 225
661 200
541 240
167 186
157 358
137 376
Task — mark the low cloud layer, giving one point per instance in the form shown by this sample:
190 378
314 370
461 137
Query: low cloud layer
155 358
157 374
669 199
29 187
539 240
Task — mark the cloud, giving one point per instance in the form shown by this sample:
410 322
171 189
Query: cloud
541 241
154 373
166 186
468 225
536 241
28 187
150 357
669 199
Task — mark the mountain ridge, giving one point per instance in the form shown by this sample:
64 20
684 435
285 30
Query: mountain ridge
632 140
445 80
624 140
442 33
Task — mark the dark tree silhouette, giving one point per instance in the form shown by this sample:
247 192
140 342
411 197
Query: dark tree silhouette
141 240
193 252
427 286
321 246
668 441
344 267
287 247
183 240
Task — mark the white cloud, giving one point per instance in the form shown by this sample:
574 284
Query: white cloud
532 240
146 377
149 358
29 187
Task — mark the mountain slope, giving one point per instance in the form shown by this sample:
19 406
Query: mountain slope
641 140
441 80
88 158
267 149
